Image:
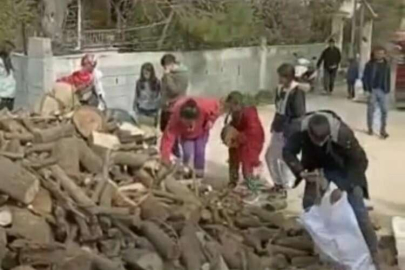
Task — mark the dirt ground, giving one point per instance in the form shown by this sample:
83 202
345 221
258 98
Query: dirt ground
386 175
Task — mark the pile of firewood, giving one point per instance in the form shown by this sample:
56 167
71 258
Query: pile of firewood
87 192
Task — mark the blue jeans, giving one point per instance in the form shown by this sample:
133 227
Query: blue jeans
377 98
355 197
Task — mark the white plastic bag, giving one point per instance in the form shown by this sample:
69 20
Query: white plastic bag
286 174
336 233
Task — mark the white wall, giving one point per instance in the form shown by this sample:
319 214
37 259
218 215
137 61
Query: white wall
212 73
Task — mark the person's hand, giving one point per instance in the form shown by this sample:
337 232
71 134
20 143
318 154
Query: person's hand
208 125
310 177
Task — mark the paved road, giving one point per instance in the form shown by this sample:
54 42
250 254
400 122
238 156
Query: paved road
387 167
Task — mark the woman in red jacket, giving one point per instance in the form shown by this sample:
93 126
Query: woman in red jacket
247 143
191 121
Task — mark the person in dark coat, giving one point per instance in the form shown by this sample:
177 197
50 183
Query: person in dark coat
330 58
290 105
351 77
327 144
377 82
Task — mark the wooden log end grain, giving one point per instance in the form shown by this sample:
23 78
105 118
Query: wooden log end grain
17 182
88 119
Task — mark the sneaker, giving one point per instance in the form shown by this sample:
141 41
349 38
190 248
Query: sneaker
384 135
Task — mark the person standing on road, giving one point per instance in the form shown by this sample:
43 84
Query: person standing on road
147 93
330 58
377 82
326 143
7 80
174 86
351 77
290 105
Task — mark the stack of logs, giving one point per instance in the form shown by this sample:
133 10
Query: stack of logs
67 203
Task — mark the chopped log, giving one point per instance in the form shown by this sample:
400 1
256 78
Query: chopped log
71 187
3 245
111 211
66 150
181 191
54 133
275 262
14 146
192 255
11 155
152 209
132 160
23 137
276 220
40 147
303 262
107 195
165 246
39 164
298 242
254 237
17 182
245 222
6 218
23 267
88 159
29 226
102 263
144 177
88 119
289 252
142 259
42 202
11 125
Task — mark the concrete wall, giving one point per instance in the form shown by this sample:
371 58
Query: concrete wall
212 73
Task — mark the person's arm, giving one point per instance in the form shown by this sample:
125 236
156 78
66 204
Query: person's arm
211 111
169 137
298 104
291 151
137 95
171 87
367 78
388 78
339 58
320 61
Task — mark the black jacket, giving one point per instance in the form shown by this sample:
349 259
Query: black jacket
369 76
330 58
295 108
345 154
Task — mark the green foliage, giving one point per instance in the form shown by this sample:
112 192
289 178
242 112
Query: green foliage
235 22
13 13
390 14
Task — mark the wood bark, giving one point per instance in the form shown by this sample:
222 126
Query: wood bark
88 119
71 187
66 151
181 191
88 158
17 182
132 160
54 133
165 246
191 252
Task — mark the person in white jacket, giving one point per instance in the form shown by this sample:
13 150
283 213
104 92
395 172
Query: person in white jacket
7 82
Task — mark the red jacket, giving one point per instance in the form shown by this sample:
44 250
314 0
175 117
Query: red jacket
209 112
78 79
251 134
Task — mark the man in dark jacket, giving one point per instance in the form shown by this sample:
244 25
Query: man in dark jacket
377 82
326 143
330 58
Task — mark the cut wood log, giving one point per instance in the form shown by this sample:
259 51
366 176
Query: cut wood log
144 177
298 242
132 160
88 119
40 147
142 259
14 146
3 245
152 209
181 191
192 255
165 246
29 226
276 220
23 137
66 150
6 218
71 187
54 133
42 202
17 182
304 262
23 267
288 252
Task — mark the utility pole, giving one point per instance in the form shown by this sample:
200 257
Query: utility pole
354 26
79 25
